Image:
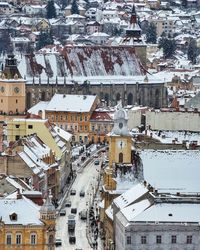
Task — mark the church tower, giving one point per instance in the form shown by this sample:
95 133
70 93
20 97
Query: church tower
48 217
12 88
133 37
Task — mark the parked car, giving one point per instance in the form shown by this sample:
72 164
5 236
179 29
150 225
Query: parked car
82 193
58 242
83 215
73 210
73 192
68 203
62 212
72 239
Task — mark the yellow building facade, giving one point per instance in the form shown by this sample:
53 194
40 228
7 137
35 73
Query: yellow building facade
12 89
26 226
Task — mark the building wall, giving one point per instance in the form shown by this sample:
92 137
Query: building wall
12 96
26 232
76 123
115 149
188 121
146 94
38 127
135 231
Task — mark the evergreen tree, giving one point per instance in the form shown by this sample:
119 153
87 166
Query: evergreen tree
74 8
192 51
184 3
45 38
151 34
168 46
51 10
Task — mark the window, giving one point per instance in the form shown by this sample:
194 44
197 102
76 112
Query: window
80 127
51 239
189 239
158 239
30 126
173 239
8 239
76 128
17 137
56 117
16 101
128 240
16 110
81 118
17 126
121 157
18 239
143 240
85 128
61 117
92 127
86 118
71 118
1 101
66 117
33 239
52 117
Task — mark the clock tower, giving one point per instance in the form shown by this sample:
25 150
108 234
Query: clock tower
120 140
12 88
124 170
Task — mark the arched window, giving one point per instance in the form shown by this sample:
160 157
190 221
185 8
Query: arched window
28 100
106 99
121 157
43 96
157 103
118 97
33 238
130 99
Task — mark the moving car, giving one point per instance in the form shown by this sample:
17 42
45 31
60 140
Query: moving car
58 242
74 210
68 203
82 193
73 192
72 239
62 212
96 162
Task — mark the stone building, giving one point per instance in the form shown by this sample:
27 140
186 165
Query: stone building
110 72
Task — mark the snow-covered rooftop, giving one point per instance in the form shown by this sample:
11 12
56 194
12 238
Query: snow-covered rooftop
172 170
71 103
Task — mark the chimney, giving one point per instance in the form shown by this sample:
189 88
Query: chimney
19 195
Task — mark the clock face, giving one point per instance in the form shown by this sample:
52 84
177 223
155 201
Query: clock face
2 89
120 125
121 144
16 90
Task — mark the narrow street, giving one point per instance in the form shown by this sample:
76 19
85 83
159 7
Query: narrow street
86 181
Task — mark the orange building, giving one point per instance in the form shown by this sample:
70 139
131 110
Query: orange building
72 113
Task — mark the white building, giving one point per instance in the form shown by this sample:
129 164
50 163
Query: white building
173 120
163 214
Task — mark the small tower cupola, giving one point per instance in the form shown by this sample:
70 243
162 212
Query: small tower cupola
120 122
11 71
48 211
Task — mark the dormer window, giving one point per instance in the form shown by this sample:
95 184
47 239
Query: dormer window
13 217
